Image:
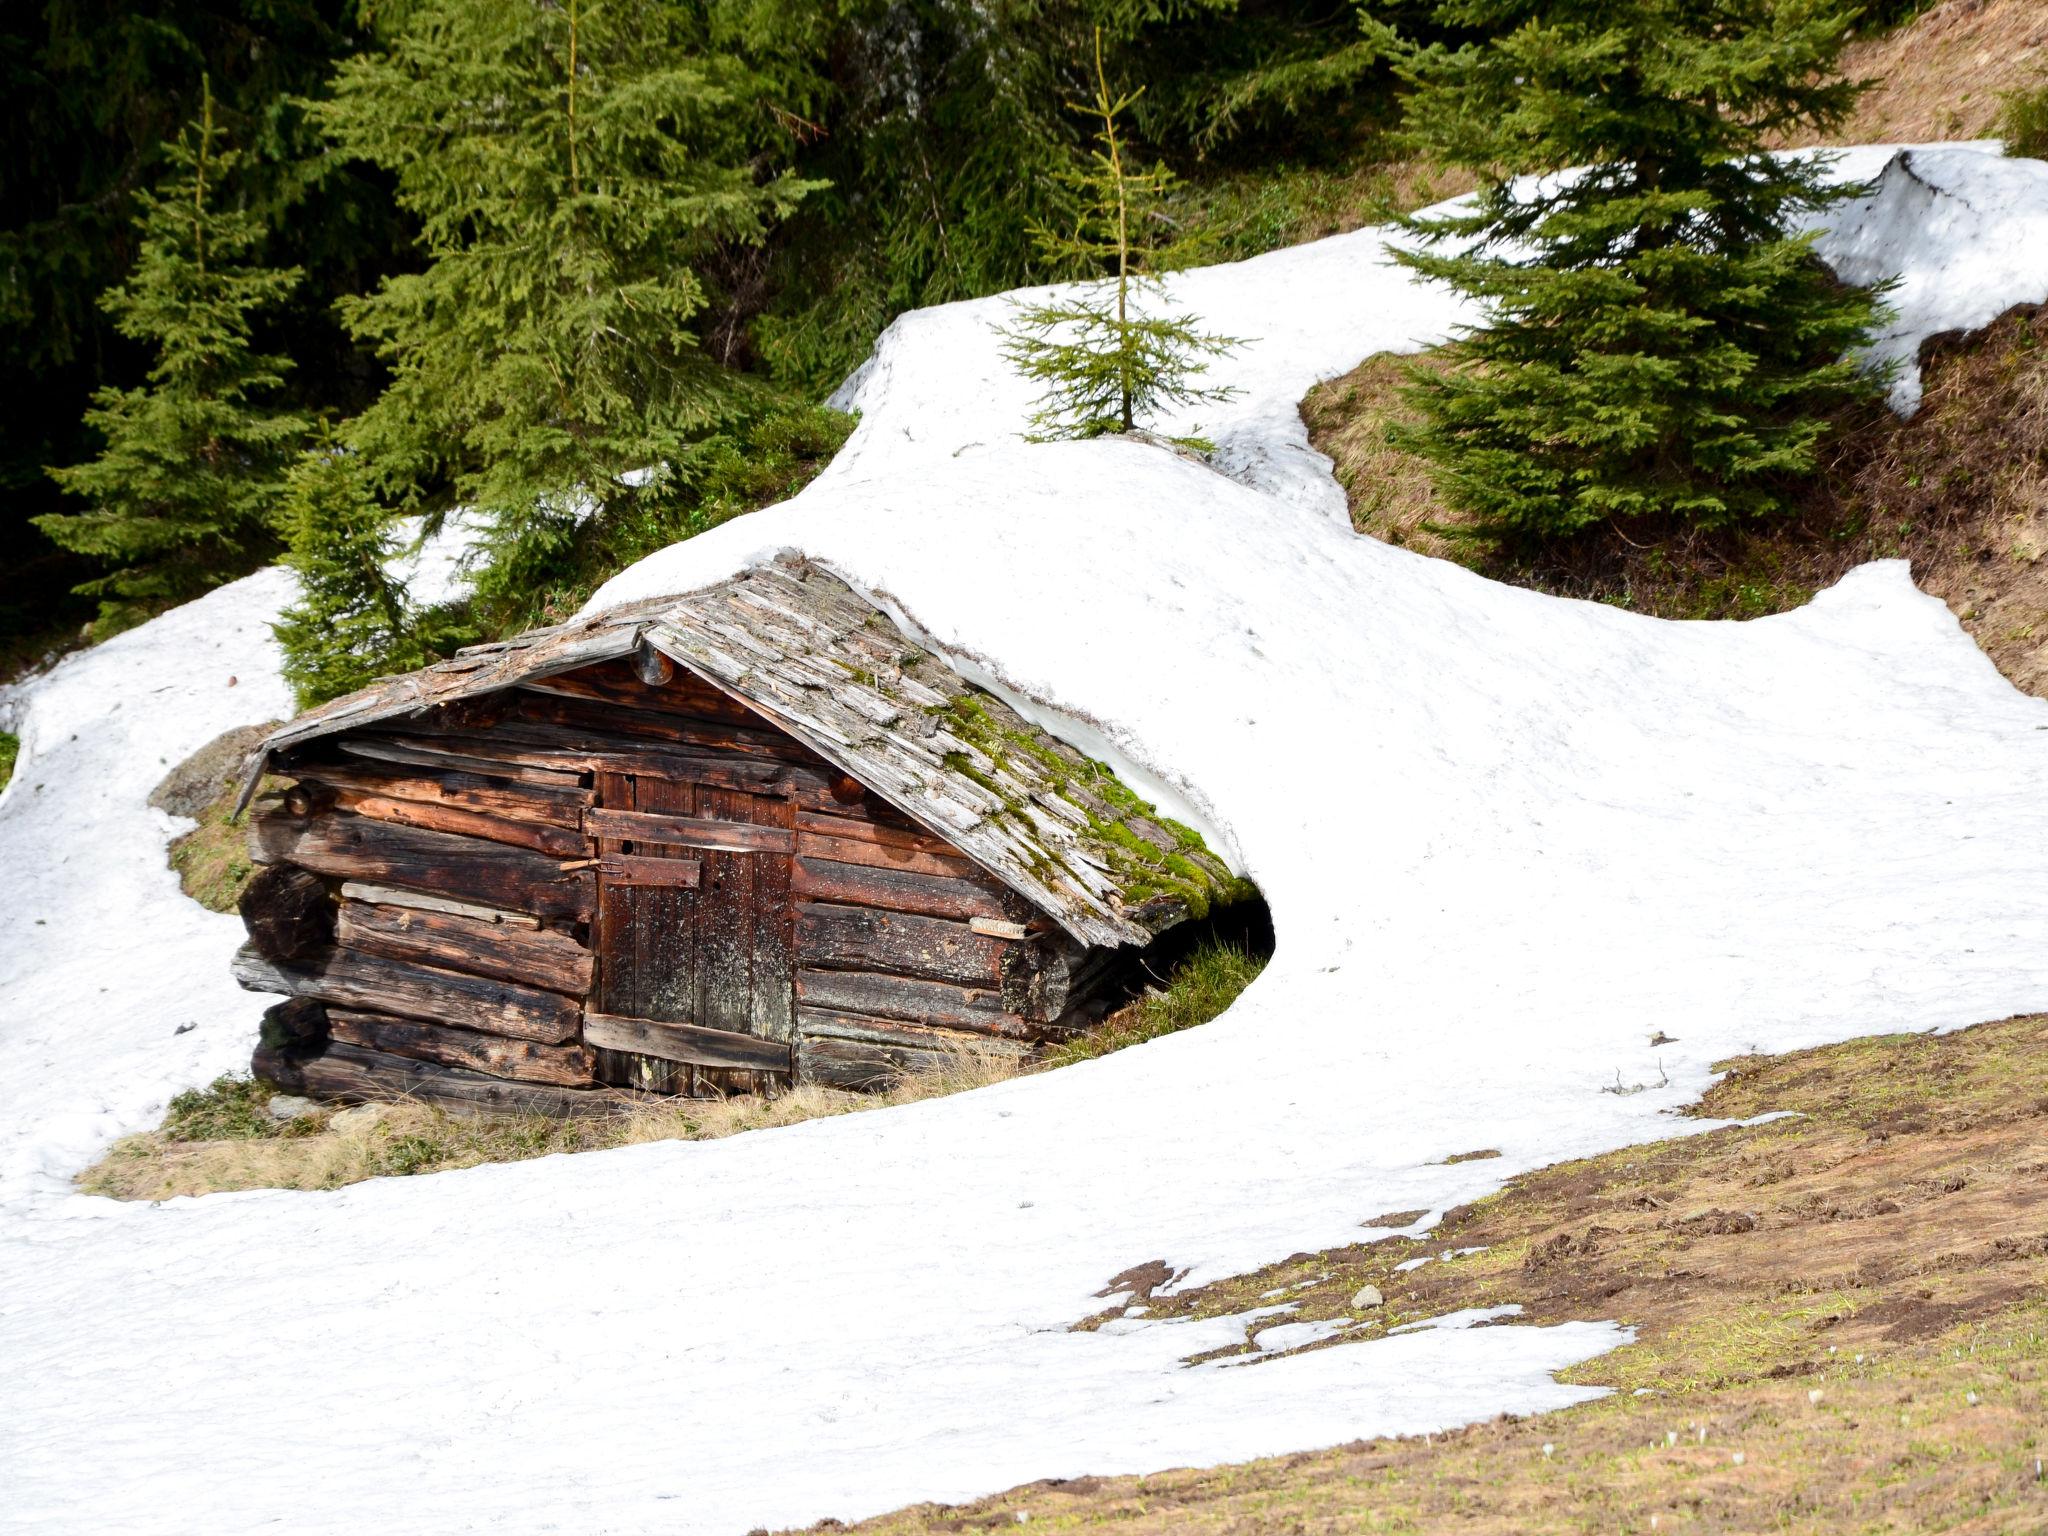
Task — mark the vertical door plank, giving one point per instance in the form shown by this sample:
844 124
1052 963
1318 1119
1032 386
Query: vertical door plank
772 934
725 885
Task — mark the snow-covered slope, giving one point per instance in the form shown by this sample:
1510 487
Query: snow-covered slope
1506 839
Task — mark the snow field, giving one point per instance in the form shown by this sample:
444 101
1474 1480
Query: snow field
1505 838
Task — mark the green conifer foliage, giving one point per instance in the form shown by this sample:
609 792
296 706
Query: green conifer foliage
1111 356
353 621
182 490
1656 343
573 165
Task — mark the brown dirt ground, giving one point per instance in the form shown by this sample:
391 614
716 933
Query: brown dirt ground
1939 77
1852 1298
1961 490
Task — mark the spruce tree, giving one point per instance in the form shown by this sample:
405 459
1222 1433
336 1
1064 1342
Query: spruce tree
573 165
352 621
1112 355
181 492
1656 343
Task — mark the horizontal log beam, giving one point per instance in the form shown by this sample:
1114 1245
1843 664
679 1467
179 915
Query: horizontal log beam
885 834
685 1042
423 754
374 984
867 938
359 1075
616 720
699 832
831 1024
392 896
560 842
415 858
543 804
617 682
534 957
287 912
525 1061
858 885
848 850
917 1002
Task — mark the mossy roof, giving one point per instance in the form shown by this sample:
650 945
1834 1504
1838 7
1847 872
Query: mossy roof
801 648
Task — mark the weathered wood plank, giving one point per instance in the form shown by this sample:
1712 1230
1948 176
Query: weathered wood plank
694 832
616 682
902 891
917 1002
534 957
614 721
868 938
832 1024
847 850
417 754
863 1066
438 863
287 912
392 896
725 927
640 869
356 1074
895 831
560 842
685 1042
374 984
543 804
566 1066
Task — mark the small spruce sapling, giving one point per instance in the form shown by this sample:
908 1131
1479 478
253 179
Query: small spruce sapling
1658 342
182 491
353 621
1111 356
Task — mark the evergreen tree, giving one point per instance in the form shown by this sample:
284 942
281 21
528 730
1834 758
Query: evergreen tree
1105 361
181 491
574 166
352 621
1656 342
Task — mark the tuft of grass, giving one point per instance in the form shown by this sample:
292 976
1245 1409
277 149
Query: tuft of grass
222 1137
2023 122
212 860
1200 987
10 751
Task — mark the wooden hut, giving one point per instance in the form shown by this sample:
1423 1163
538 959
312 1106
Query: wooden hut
707 843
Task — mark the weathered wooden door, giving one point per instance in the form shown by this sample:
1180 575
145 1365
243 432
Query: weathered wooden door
694 933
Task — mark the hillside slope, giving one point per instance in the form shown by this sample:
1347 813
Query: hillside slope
1505 840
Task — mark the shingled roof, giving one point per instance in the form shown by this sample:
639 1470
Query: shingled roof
801 648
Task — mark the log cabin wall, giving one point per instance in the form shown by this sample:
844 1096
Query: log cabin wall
620 877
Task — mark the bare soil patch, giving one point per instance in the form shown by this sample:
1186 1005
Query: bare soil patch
1842 1325
1961 491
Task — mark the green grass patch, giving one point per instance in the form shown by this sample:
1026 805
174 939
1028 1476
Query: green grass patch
2023 122
1200 987
212 860
10 751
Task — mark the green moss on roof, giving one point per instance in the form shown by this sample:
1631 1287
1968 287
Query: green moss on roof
1151 856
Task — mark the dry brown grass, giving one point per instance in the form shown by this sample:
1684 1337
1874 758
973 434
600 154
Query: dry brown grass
337 1147
1939 76
1887 1250
1961 490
